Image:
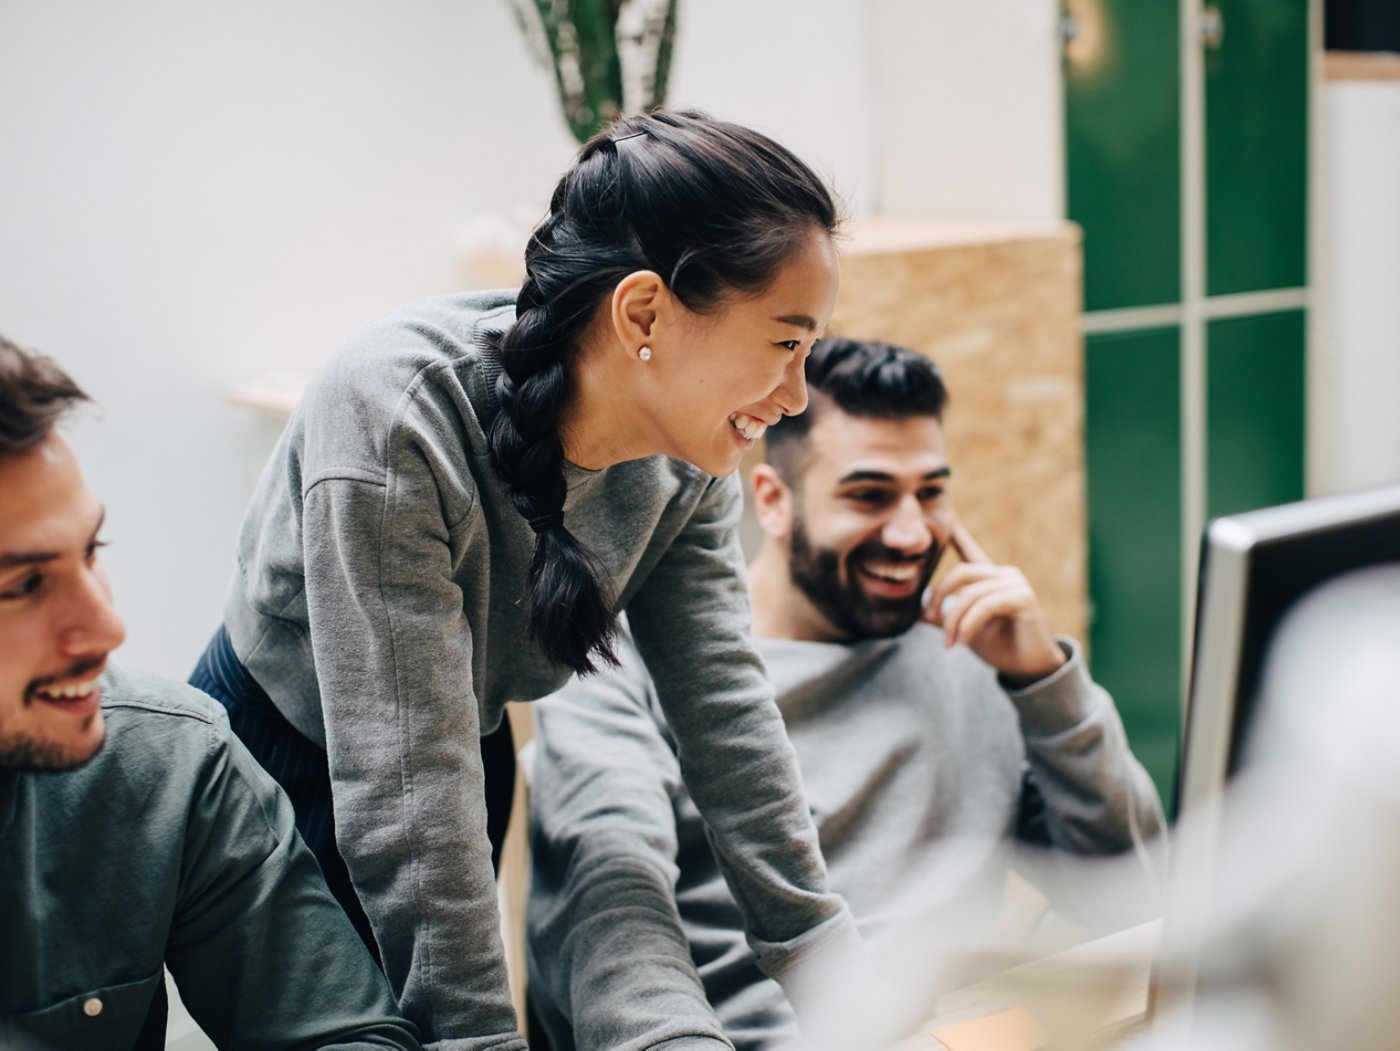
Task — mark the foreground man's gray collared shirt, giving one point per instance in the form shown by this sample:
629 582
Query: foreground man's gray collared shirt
172 847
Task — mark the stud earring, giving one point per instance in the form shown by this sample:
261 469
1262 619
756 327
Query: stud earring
644 353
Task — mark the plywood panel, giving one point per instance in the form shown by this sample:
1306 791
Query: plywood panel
997 308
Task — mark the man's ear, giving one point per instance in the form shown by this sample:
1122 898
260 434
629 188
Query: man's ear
641 307
772 501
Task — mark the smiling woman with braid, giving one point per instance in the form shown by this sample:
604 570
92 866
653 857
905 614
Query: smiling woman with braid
471 492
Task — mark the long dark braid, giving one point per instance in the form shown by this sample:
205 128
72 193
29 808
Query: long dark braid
570 616
712 207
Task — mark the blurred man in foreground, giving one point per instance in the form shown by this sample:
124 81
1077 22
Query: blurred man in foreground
135 831
933 732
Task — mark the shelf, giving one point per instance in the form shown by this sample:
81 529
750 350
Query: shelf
275 394
1360 65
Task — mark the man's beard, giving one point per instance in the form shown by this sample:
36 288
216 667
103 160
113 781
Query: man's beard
30 755
848 607
19 751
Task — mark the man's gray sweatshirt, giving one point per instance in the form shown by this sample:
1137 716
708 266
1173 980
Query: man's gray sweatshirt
378 599
915 761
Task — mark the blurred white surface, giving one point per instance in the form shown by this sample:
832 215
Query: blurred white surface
1354 404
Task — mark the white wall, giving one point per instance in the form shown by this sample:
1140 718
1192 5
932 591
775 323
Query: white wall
968 116
797 69
194 194
928 108
1357 377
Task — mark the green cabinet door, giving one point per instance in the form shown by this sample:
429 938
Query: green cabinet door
1256 85
1255 411
1133 459
1122 140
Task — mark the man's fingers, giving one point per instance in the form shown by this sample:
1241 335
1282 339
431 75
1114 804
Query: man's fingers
964 576
958 605
968 549
977 615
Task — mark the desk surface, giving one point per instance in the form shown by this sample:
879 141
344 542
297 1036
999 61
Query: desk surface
1095 990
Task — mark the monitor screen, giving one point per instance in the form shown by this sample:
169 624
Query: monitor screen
1254 567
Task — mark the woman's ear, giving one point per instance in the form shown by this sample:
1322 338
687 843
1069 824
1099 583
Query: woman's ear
772 501
641 306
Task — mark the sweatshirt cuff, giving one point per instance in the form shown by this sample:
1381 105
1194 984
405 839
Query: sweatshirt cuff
841 1002
835 935
1059 701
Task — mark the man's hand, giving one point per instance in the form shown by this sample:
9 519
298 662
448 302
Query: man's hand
993 610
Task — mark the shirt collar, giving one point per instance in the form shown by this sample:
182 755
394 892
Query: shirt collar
9 797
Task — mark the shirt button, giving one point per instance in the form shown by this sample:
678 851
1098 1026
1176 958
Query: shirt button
92 1007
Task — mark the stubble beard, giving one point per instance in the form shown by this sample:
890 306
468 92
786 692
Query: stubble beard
29 754
846 606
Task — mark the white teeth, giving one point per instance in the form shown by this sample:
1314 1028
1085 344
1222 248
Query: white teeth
748 426
897 574
81 689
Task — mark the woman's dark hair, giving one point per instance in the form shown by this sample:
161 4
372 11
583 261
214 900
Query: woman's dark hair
34 393
861 378
712 207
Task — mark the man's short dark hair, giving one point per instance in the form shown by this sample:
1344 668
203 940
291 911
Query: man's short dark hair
34 393
861 378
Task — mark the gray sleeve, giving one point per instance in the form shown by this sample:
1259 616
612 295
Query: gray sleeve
607 951
1097 798
255 918
691 623
393 655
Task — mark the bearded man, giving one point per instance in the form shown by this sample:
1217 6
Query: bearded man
936 730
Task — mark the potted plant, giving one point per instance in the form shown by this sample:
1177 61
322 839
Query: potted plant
609 57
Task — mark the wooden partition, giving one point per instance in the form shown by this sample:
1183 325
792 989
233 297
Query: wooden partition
997 307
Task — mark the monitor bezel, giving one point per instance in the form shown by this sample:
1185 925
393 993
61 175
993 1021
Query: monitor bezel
1211 729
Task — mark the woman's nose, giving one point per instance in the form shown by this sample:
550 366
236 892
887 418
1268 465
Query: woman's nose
791 394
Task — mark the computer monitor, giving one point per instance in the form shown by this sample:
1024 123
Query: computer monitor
1254 568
